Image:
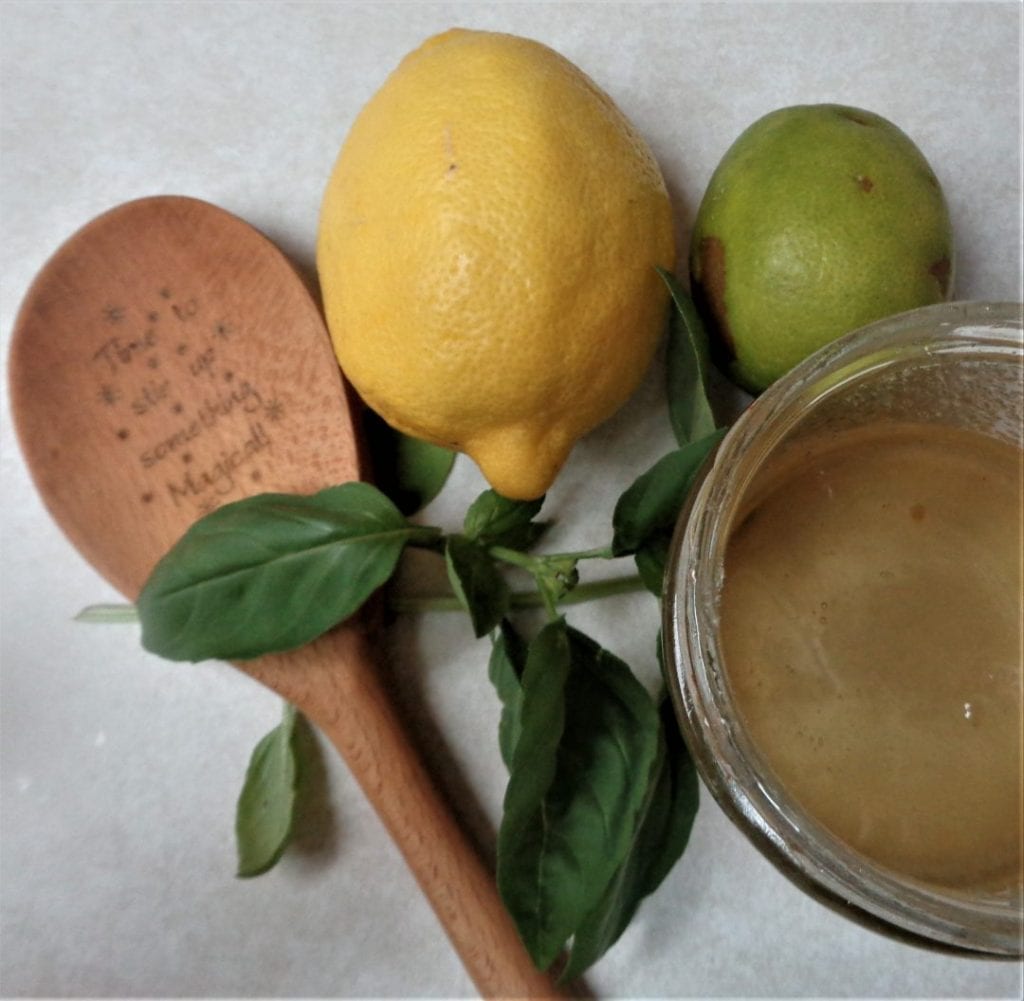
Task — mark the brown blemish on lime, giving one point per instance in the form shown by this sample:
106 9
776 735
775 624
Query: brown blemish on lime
711 289
864 182
854 116
917 512
940 272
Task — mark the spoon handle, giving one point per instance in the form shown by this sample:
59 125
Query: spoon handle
336 684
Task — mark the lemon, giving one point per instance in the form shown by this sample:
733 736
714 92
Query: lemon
819 219
487 249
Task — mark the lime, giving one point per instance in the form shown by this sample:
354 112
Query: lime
819 219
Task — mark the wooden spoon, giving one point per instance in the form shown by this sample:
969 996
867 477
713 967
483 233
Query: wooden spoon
168 359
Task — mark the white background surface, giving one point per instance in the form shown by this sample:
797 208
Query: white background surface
119 771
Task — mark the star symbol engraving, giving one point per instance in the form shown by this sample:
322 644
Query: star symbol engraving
109 395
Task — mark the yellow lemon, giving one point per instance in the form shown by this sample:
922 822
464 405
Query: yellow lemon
487 250
819 219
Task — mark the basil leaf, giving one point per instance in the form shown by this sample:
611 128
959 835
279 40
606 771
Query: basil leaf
493 520
524 840
668 836
609 919
477 583
263 817
683 791
651 505
505 669
668 812
578 782
271 572
687 365
651 559
422 469
408 470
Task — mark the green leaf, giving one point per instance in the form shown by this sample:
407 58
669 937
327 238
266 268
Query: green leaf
263 817
493 520
651 559
422 470
650 506
668 812
669 837
603 926
408 470
683 788
577 785
477 583
687 364
505 669
524 839
271 572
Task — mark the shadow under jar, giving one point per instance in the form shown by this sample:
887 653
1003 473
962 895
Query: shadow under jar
843 624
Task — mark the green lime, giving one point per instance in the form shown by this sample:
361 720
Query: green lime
819 219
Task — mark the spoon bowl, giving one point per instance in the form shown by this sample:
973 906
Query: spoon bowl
167 360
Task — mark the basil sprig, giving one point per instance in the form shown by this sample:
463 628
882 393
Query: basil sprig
601 794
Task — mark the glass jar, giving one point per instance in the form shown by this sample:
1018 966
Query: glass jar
957 365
